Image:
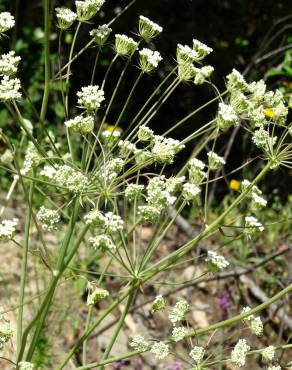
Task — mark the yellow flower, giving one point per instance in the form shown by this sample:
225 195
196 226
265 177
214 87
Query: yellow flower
228 220
269 113
234 184
111 128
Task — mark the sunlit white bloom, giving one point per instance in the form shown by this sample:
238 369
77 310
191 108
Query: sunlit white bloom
179 311
158 304
190 191
87 9
24 365
124 45
48 171
126 147
239 352
108 221
226 116
216 262
201 49
9 63
201 74
178 333
90 97
196 173
256 115
173 184
157 194
149 213
6 157
6 21
257 202
32 159
160 350
139 343
145 133
257 90
246 310
148 29
239 101
252 226
96 295
268 354
215 161
256 326
133 191
236 81
65 17
197 354
164 149
8 229
48 218
9 89
274 367
262 139
185 54
101 34
81 124
102 242
149 60
245 184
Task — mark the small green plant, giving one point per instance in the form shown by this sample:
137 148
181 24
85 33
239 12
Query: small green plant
99 185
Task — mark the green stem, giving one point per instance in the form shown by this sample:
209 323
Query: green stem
24 266
94 67
117 329
47 60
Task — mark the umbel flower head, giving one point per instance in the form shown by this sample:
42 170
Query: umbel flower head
101 34
160 350
8 64
139 343
6 21
65 17
201 49
149 60
24 365
125 46
190 191
239 352
148 29
216 262
179 310
197 354
268 354
8 229
215 161
87 9
178 333
5 331
90 98
158 304
226 116
102 242
201 74
96 295
81 124
48 218
9 89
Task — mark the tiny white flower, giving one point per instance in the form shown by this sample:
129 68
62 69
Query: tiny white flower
226 116
101 34
8 229
96 295
268 354
178 333
9 63
149 60
158 304
139 343
239 352
48 218
148 29
160 350
197 354
6 21
216 262
65 17
9 89
90 97
179 311
124 45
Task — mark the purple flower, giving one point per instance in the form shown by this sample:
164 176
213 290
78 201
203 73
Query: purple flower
176 366
224 301
118 365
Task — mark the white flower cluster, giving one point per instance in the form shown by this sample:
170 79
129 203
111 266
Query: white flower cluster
133 191
202 74
160 350
190 191
49 218
216 262
102 242
24 365
257 202
262 139
6 21
87 9
274 367
252 226
107 221
164 149
101 34
195 170
268 354
226 117
32 159
5 330
215 161
65 17
139 343
239 352
8 229
148 29
235 81
6 157
255 323
96 295
9 63
179 311
80 124
197 354
109 138
158 198
68 177
186 56
178 333
149 60
158 304
90 98
125 46
9 89
145 134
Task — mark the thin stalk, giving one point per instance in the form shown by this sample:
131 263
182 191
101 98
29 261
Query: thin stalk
117 329
24 266
46 4
108 71
94 67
